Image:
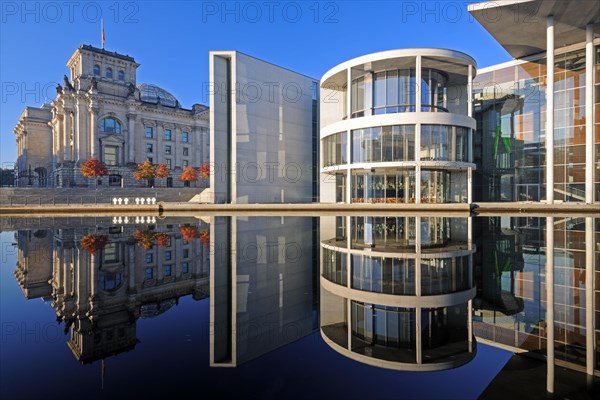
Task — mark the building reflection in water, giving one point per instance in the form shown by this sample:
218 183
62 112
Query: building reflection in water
396 292
263 287
521 268
101 280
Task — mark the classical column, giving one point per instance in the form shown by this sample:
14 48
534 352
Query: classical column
550 110
550 304
66 136
130 138
94 145
589 115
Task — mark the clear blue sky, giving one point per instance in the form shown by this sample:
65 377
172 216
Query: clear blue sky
171 40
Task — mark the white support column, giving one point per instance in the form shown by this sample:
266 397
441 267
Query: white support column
418 291
470 324
589 115
348 106
470 92
418 86
590 350
550 110
418 183
470 185
550 304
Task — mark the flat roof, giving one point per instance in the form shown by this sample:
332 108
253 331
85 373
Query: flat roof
520 25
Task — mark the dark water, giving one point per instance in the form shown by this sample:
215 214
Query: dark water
294 307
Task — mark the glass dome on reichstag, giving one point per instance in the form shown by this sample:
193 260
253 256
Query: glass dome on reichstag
153 94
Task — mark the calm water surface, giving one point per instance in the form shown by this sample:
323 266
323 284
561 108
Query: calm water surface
285 307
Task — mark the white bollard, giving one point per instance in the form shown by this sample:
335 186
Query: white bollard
120 200
137 220
153 220
141 200
137 200
126 200
126 220
114 220
154 200
120 220
148 200
115 201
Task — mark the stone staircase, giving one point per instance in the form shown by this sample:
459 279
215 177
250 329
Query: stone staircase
50 196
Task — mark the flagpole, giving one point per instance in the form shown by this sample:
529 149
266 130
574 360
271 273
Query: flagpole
102 33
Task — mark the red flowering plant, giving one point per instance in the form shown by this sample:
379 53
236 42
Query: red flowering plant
205 238
162 239
144 239
93 243
189 232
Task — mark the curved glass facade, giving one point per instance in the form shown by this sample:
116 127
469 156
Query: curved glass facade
422 156
334 149
394 91
393 186
383 144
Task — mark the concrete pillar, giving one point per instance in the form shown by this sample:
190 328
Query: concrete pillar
550 110
347 167
470 324
470 185
418 184
589 115
550 304
590 341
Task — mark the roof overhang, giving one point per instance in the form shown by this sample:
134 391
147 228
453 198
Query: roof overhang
520 25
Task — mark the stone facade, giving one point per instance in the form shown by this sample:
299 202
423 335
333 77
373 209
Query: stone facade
101 112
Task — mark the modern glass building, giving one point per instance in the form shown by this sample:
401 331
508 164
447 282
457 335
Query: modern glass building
397 127
396 292
517 103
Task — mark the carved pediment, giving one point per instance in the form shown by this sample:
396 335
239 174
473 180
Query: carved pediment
112 139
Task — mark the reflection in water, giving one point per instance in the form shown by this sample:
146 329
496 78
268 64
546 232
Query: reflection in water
400 292
396 292
100 281
525 266
263 285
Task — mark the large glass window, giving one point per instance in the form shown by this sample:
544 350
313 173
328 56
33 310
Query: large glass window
394 91
110 155
334 149
433 90
109 73
383 144
110 125
334 266
435 186
149 132
444 275
383 274
392 186
358 97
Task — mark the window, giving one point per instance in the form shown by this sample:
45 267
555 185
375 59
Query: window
168 270
110 281
149 273
186 253
168 150
149 258
110 125
114 180
121 75
167 134
185 268
97 70
109 73
148 147
150 160
186 151
110 253
185 163
149 133
185 137
168 255
168 162
110 155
